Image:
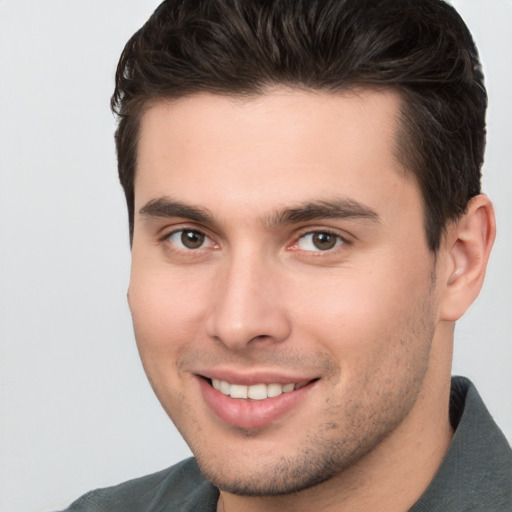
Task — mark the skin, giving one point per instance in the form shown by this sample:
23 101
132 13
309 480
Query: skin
367 323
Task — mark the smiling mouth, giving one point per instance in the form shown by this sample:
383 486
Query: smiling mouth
256 391
249 404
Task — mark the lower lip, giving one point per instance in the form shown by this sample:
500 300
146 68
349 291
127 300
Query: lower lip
249 414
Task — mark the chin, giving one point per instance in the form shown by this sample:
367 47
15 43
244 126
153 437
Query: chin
316 463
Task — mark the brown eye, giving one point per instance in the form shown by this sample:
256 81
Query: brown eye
192 239
324 241
188 239
319 241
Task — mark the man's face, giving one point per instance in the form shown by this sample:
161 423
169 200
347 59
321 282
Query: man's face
279 254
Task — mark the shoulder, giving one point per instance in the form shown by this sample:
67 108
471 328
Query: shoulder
476 473
181 487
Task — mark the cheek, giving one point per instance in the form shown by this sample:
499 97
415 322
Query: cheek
167 310
368 317
166 317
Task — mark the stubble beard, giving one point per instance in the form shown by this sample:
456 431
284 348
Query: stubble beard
326 453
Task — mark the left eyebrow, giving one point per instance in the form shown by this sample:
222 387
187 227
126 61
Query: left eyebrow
164 207
328 209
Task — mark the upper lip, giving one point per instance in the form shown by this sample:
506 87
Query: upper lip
250 378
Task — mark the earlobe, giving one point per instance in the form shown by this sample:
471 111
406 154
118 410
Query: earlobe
469 242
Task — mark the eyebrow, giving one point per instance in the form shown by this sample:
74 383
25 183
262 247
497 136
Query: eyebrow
339 208
165 207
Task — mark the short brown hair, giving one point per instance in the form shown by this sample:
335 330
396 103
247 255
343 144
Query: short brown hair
421 48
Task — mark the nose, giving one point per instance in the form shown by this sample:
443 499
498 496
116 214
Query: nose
248 306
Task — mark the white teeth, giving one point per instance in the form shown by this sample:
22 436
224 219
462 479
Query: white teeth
274 390
224 387
254 392
238 391
257 392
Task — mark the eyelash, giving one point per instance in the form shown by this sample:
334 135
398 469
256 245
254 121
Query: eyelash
340 240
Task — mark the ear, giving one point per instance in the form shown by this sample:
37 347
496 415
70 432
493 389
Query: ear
468 245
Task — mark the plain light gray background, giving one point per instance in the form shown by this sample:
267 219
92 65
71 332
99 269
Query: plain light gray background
76 411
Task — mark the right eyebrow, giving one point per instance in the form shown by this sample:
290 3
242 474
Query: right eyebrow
165 207
336 208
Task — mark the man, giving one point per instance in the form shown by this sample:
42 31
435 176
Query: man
303 189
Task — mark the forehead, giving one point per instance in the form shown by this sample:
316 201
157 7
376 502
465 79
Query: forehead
262 150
